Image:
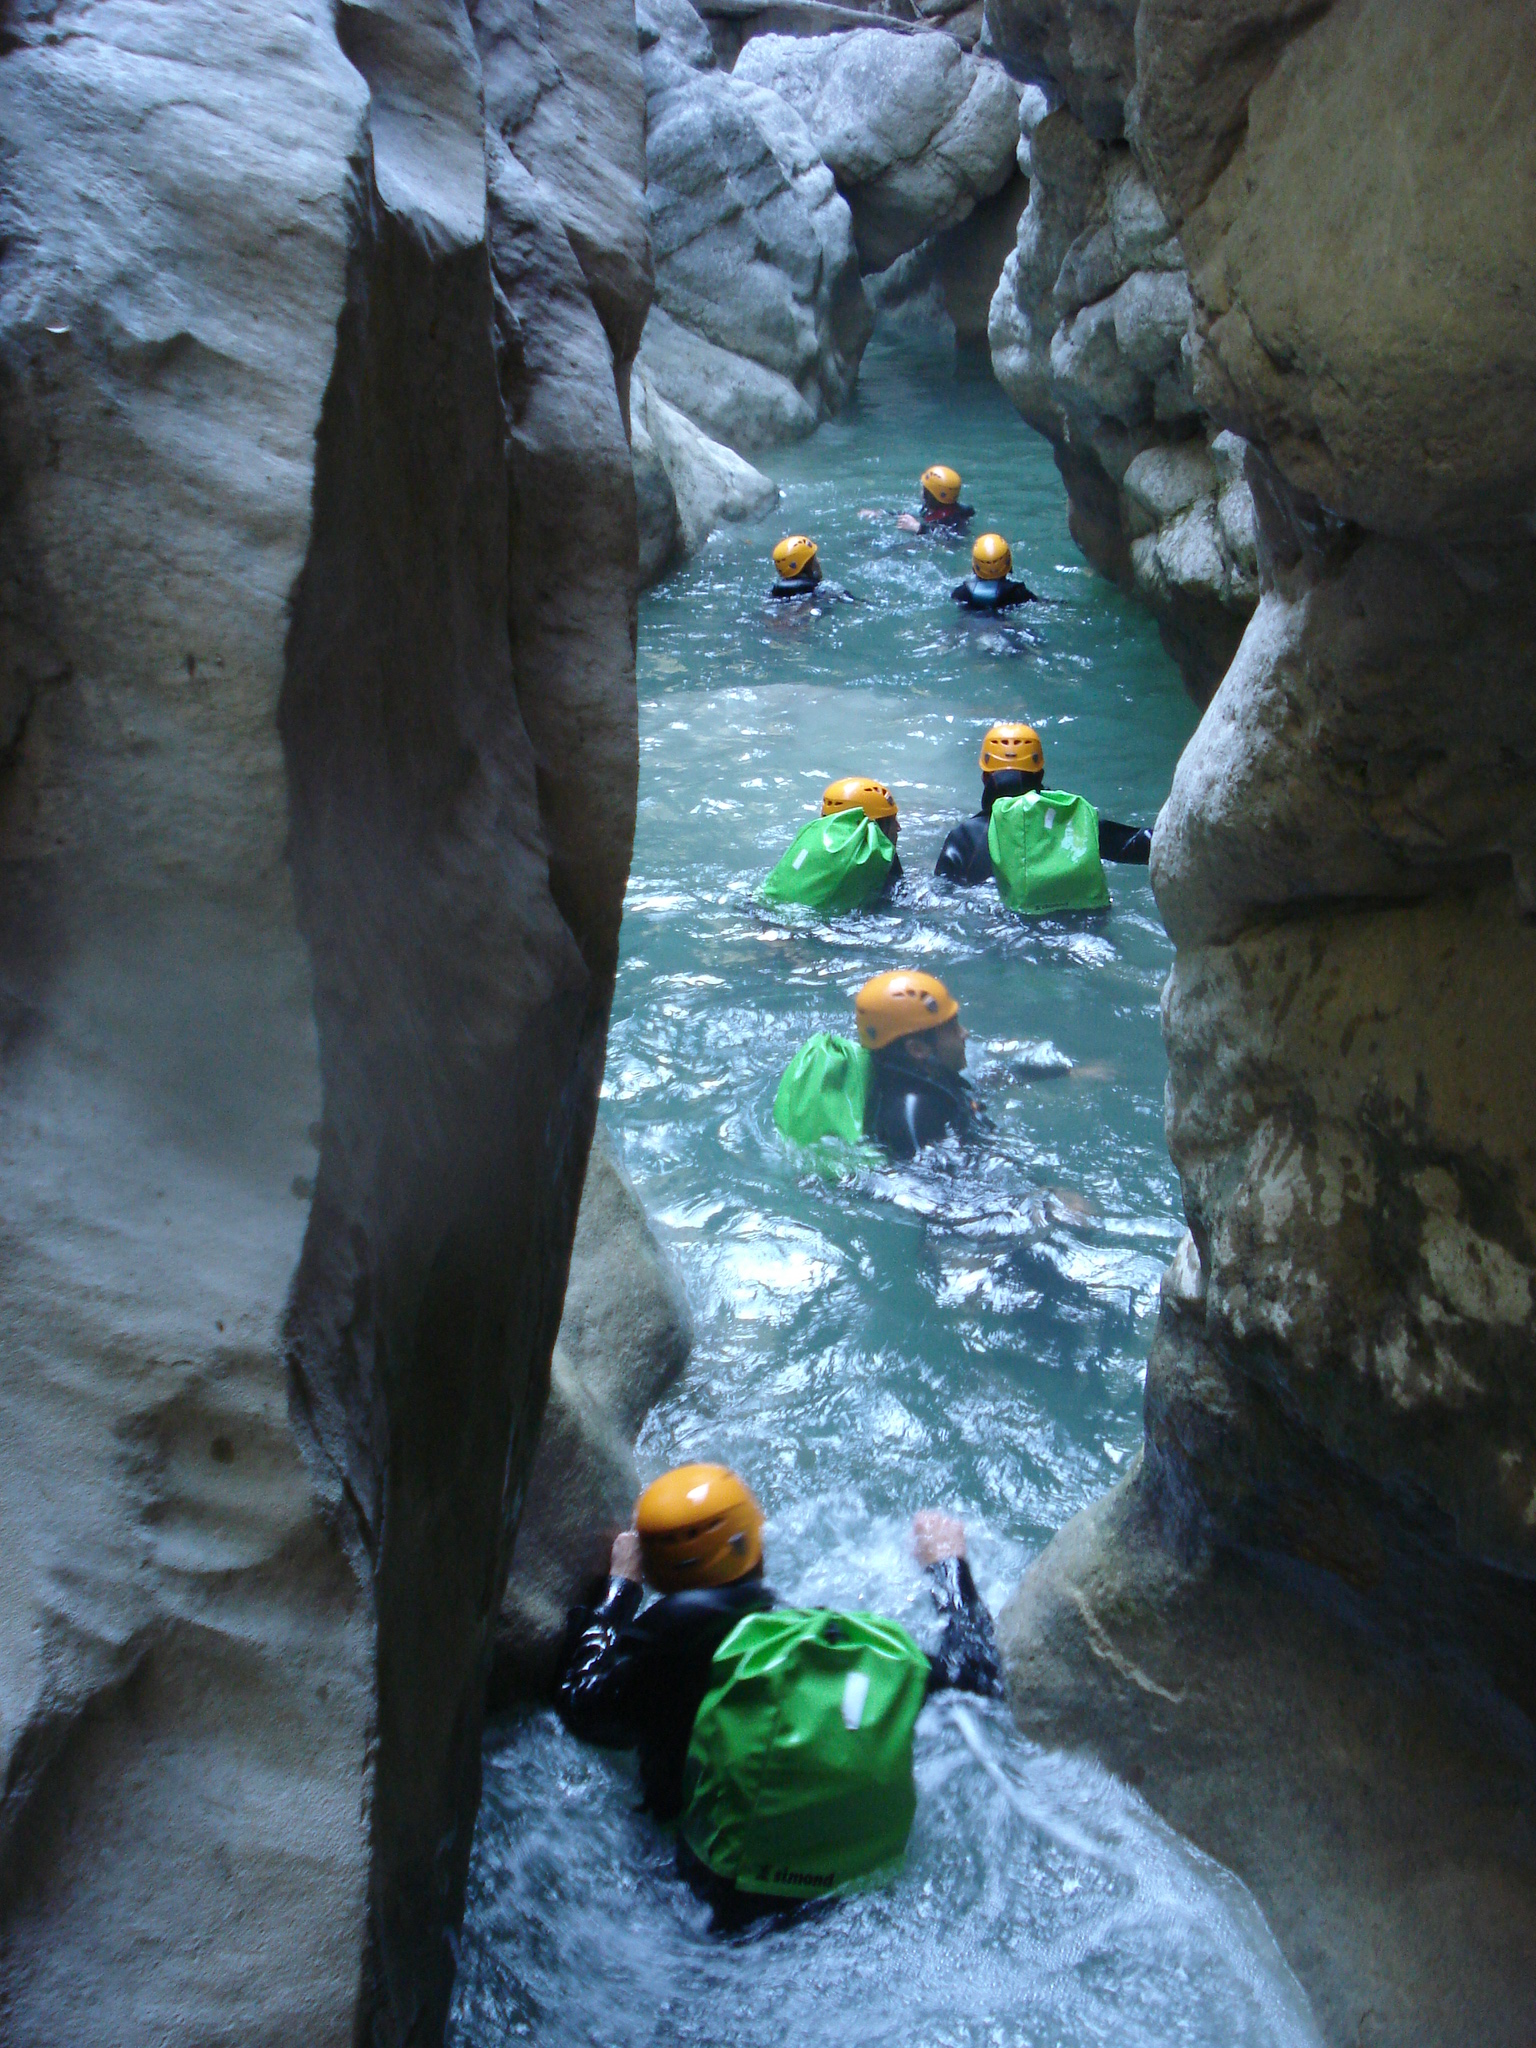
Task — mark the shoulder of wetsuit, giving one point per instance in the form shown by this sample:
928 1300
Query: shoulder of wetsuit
1013 593
962 592
679 1619
782 590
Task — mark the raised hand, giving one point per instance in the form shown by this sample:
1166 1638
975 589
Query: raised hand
936 1536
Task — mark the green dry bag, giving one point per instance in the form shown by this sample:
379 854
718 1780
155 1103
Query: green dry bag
825 1091
836 863
1045 853
799 1772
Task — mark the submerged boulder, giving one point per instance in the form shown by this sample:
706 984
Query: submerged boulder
686 485
624 1337
915 129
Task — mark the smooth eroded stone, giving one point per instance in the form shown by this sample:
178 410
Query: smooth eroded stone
914 129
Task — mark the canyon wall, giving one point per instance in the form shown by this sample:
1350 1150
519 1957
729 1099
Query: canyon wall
1307 1624
1091 331
789 152
319 760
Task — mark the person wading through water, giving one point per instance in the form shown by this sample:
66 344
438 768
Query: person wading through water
1044 848
899 1085
778 1740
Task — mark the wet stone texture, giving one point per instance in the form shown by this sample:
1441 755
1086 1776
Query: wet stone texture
1090 330
318 791
1340 1464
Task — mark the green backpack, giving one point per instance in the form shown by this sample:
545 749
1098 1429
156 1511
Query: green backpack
825 1091
799 1772
836 863
1045 853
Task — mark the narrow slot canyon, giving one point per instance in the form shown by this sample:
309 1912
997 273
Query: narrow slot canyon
400 404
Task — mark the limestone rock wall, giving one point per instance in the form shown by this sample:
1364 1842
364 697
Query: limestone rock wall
686 485
1345 858
1341 1398
1090 333
315 807
760 316
914 129
788 153
625 1335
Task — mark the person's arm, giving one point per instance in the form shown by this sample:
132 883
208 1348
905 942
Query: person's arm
962 593
595 1695
1131 845
966 1659
1014 593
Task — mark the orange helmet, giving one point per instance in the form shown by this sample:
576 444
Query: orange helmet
992 558
941 483
794 554
896 1005
1012 746
699 1526
858 793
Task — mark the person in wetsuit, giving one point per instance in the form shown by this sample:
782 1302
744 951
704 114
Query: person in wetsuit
798 571
910 1026
992 586
634 1677
843 875
1012 764
940 510
858 792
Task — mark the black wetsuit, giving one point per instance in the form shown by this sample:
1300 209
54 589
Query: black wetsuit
635 1679
789 587
914 1103
981 595
936 518
964 857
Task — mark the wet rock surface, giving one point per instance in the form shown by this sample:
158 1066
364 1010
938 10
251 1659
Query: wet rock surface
319 788
1380 1815
686 485
625 1335
1340 1452
1089 332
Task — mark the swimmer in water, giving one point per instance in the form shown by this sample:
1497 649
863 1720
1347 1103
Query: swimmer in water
940 510
899 1085
1013 764
799 578
846 859
991 586
648 1678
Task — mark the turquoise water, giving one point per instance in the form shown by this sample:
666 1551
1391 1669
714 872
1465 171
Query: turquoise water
969 1331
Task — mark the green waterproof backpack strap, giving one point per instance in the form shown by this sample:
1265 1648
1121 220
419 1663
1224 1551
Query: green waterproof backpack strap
825 1091
1045 853
799 1772
836 863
